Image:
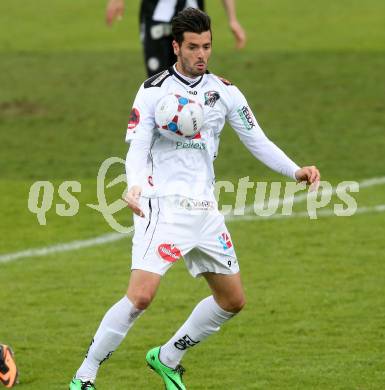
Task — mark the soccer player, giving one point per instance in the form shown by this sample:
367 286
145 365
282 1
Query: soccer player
175 211
155 18
8 369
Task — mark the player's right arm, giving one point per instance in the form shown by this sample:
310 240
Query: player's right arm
139 134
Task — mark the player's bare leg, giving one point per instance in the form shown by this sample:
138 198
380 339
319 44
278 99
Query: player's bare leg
116 323
142 288
227 291
206 319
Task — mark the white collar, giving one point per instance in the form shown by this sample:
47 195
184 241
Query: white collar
189 80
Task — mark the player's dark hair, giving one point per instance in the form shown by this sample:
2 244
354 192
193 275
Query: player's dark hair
190 20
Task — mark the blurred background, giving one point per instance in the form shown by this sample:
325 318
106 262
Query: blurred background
313 72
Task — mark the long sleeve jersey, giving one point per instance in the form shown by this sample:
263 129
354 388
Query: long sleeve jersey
165 167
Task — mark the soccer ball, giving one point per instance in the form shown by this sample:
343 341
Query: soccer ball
178 117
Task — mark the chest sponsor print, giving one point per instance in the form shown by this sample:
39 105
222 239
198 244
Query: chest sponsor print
192 145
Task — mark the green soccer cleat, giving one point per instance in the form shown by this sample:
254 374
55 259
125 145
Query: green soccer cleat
172 377
77 384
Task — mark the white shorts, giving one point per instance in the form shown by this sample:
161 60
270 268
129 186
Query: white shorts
176 227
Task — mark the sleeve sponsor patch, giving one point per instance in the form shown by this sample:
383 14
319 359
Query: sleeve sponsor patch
246 117
133 119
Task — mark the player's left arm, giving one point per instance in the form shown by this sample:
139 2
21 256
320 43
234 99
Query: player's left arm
243 121
235 26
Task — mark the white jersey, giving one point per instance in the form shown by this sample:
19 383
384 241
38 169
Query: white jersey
163 167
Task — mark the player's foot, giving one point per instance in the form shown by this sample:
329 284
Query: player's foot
77 384
8 369
172 377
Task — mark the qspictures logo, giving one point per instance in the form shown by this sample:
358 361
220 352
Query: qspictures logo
337 200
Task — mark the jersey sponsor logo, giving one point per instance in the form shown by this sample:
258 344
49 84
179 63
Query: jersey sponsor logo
211 97
192 145
133 119
246 117
185 342
225 241
193 92
169 252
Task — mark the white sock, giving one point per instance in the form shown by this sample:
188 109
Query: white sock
112 330
205 319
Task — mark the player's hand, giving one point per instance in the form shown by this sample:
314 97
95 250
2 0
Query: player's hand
132 199
310 175
114 11
239 34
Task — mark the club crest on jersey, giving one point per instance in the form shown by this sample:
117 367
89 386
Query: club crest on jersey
211 97
133 119
169 252
225 241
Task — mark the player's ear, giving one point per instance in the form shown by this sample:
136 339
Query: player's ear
175 46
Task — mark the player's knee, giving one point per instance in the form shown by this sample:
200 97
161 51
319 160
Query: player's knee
141 300
238 304
235 304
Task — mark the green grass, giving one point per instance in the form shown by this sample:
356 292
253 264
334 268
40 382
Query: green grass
315 314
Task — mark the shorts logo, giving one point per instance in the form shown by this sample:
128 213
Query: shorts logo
225 241
211 97
246 117
133 119
169 252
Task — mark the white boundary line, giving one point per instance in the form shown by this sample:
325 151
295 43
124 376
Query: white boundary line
112 237
69 246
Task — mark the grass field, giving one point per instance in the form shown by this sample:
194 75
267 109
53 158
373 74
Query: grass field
315 318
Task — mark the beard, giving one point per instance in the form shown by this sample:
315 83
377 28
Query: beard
191 70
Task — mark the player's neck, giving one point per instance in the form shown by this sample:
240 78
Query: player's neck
178 69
